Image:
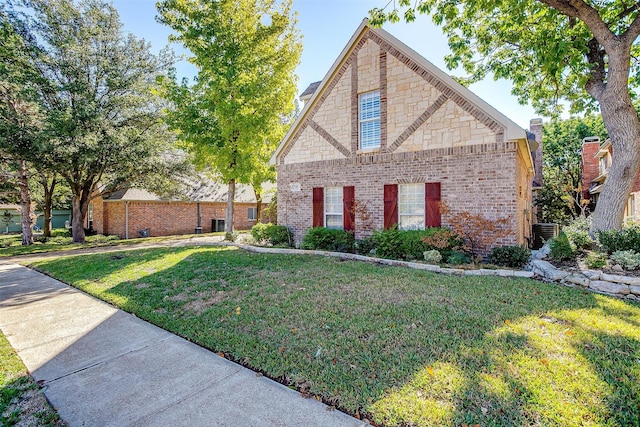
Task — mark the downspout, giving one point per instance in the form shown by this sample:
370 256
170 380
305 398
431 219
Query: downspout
126 220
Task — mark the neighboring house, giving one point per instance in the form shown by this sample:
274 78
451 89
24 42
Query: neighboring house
127 213
596 161
11 219
387 137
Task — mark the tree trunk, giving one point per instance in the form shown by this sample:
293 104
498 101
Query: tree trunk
228 220
80 206
258 205
621 121
25 203
48 202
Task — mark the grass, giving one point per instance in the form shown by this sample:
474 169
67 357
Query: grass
18 391
399 346
11 244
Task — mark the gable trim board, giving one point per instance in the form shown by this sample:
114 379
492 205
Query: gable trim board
450 90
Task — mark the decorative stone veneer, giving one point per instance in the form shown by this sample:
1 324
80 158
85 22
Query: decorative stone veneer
595 280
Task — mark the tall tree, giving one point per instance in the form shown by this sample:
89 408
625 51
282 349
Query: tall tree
560 200
21 121
582 51
98 88
245 52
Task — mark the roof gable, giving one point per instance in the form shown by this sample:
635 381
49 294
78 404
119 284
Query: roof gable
448 89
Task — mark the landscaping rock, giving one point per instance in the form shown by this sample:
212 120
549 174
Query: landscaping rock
504 273
593 274
578 279
632 297
527 274
617 267
487 272
458 271
634 289
548 271
609 287
621 279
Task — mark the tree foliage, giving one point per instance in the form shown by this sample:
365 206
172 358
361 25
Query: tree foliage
583 52
560 199
234 114
97 87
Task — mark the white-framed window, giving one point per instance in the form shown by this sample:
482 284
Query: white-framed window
369 118
411 206
252 214
333 207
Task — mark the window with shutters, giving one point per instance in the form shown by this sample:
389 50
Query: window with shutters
369 118
333 207
411 206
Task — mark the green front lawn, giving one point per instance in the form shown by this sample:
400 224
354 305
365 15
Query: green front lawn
399 346
20 399
11 244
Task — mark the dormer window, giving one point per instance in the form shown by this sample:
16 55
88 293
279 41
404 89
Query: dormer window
369 118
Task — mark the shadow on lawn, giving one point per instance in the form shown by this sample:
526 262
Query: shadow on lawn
404 347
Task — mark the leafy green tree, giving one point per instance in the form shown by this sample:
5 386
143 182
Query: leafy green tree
231 117
103 113
581 51
21 120
560 200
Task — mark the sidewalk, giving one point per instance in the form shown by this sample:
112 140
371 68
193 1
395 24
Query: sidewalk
101 366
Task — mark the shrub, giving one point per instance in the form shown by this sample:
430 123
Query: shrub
578 233
328 239
61 232
432 257
388 243
366 246
595 259
400 244
273 234
411 244
458 258
561 249
258 232
443 240
510 256
629 260
626 239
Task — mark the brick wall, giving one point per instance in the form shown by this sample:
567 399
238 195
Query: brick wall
480 179
590 168
163 218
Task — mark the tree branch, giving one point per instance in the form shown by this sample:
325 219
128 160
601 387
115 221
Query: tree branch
632 32
587 14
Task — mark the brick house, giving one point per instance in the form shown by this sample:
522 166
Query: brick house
127 212
596 161
391 134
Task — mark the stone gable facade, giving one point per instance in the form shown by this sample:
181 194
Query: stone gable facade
431 131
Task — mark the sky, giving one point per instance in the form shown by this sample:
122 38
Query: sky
326 27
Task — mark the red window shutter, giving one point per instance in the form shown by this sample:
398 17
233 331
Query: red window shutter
348 215
318 207
390 205
432 204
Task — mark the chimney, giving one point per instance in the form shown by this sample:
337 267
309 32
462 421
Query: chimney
535 127
590 167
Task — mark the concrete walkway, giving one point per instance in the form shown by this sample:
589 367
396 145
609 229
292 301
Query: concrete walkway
101 366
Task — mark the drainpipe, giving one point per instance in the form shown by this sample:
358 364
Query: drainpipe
126 220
